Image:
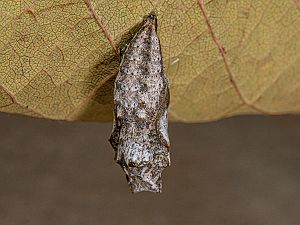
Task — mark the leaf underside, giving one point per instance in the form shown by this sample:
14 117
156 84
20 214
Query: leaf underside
58 59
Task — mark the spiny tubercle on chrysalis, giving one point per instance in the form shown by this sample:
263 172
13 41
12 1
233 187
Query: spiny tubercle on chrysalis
141 98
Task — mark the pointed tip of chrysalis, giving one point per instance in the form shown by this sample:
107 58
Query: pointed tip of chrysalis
144 179
140 185
152 19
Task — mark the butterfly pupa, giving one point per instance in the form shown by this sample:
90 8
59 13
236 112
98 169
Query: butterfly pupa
141 98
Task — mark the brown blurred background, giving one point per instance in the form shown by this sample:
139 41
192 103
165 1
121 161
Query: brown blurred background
237 171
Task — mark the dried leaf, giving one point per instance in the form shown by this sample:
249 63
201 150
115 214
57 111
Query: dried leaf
58 59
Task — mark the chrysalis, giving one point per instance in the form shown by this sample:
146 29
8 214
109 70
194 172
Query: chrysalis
141 98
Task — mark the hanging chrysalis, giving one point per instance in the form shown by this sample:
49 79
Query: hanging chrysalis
141 98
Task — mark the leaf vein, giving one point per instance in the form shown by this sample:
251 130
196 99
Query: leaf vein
103 28
227 67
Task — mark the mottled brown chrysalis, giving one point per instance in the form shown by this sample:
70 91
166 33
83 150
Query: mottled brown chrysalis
141 98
